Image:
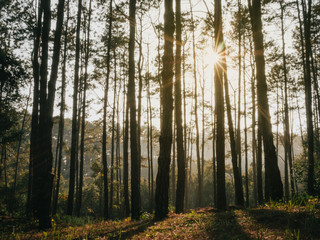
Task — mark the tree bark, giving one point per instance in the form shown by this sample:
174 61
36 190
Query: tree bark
178 115
219 103
273 178
162 181
135 163
74 130
308 95
200 182
104 127
62 110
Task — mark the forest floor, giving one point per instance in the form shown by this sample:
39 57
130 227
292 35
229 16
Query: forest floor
272 221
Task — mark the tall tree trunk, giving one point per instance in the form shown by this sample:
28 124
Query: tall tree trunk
126 159
30 208
74 132
185 122
273 178
135 158
254 143
239 152
173 165
140 66
178 115
245 125
62 110
42 166
219 103
200 185
83 118
287 138
162 182
308 94
104 127
112 167
236 173
151 153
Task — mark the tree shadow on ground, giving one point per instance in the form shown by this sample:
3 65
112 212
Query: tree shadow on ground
306 223
226 226
130 231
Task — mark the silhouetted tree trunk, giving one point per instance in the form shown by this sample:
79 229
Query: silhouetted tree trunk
62 109
185 123
112 167
104 127
151 147
287 138
178 115
74 133
219 103
254 142
126 160
239 152
236 173
245 125
308 94
273 178
83 118
135 162
162 182
173 165
200 184
35 112
42 165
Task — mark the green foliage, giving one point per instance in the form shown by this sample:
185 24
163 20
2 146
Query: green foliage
13 78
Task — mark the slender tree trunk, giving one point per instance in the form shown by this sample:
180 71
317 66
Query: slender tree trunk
185 123
104 127
308 95
245 125
126 160
236 173
273 180
118 167
31 205
62 110
200 185
254 143
162 182
83 123
140 66
239 152
178 115
287 137
219 103
74 134
173 165
112 168
135 158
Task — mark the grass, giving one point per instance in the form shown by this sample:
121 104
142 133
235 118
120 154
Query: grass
297 218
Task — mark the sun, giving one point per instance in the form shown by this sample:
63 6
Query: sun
212 58
215 58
